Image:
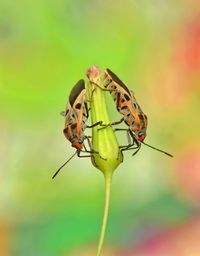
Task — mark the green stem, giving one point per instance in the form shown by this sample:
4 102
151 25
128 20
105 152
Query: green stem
108 179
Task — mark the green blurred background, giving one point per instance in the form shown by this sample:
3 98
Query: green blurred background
45 47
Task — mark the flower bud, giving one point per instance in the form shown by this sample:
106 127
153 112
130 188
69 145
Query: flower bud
104 140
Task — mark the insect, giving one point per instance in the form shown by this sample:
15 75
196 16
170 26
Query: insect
127 105
76 116
133 116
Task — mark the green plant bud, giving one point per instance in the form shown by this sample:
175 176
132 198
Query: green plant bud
104 140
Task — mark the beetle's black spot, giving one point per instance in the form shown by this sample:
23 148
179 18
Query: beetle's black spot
86 107
73 126
124 107
141 117
78 106
118 81
65 130
135 106
67 111
122 100
126 97
79 86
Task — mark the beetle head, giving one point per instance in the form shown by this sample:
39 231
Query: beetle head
140 135
77 144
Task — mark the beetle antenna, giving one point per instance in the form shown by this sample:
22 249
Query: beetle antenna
63 165
157 149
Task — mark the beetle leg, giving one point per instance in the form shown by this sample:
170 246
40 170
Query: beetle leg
92 151
130 143
103 89
91 155
93 125
118 122
85 148
78 153
138 147
88 140
90 146
114 123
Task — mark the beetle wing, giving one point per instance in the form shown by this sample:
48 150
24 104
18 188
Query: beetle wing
76 91
118 81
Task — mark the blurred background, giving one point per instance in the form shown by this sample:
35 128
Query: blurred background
45 47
